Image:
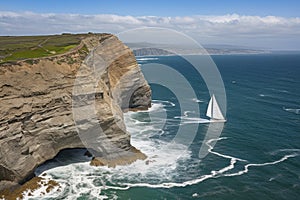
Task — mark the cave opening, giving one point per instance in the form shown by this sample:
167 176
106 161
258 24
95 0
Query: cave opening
63 158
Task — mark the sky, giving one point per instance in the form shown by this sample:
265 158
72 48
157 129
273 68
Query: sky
268 24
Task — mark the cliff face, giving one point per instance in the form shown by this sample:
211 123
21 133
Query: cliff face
42 100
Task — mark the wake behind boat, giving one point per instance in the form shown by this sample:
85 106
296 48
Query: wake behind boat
213 112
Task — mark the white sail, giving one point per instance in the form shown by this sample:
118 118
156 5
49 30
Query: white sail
209 112
213 109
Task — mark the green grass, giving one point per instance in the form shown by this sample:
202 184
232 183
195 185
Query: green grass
25 54
14 48
60 49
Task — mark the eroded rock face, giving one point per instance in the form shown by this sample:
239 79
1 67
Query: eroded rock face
37 107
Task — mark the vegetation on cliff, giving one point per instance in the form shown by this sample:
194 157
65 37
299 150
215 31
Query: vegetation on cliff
15 48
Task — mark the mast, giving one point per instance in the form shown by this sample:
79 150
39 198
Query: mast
212 105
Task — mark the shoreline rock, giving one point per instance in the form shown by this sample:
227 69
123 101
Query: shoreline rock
30 186
122 160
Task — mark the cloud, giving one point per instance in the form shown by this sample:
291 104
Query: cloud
208 29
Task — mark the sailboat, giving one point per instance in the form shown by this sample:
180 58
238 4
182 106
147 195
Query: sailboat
213 111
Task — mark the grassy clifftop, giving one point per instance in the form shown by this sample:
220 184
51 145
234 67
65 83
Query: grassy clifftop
15 48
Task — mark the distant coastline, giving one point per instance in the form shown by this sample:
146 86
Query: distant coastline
167 51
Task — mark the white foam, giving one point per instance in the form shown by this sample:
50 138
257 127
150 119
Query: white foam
278 90
289 150
197 100
42 190
246 168
74 181
164 102
210 149
160 165
185 119
292 110
185 115
195 120
214 173
284 150
195 195
156 106
266 95
146 59
275 177
158 171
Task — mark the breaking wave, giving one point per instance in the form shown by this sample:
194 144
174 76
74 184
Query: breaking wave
160 170
292 110
145 59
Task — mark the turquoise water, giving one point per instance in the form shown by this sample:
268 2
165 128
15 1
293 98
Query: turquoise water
256 157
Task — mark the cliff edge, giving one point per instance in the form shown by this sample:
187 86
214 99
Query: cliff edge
60 102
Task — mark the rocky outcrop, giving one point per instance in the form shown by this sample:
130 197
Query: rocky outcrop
46 102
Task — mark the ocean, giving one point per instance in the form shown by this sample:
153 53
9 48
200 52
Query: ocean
257 155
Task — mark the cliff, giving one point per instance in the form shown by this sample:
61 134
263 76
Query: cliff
73 100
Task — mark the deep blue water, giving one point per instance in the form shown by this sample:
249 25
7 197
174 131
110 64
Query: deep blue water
256 157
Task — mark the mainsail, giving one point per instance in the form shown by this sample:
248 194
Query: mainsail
213 109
